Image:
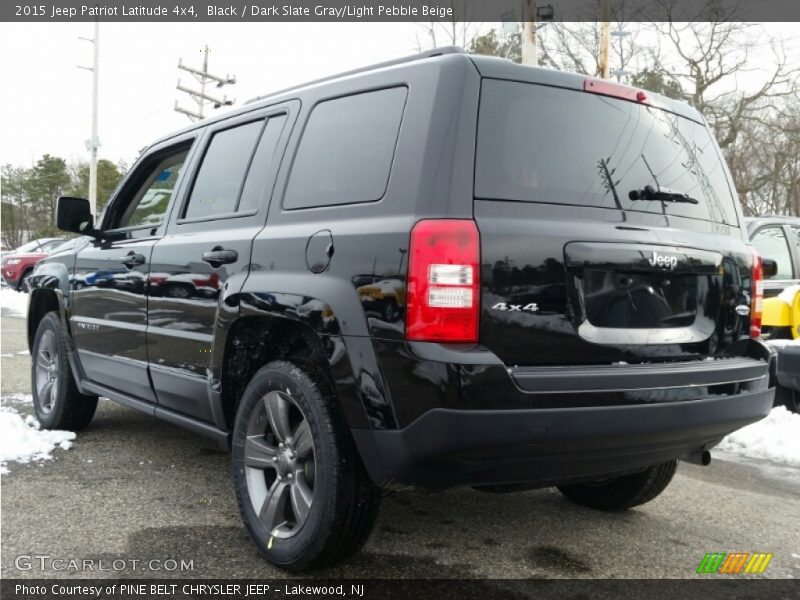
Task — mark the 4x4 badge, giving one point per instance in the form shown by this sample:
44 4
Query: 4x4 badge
532 307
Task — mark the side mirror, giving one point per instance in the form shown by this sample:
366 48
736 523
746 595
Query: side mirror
73 215
770 267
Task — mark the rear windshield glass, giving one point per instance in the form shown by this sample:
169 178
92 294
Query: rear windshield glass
546 144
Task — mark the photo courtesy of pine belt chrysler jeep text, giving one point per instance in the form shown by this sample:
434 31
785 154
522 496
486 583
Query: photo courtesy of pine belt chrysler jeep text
442 270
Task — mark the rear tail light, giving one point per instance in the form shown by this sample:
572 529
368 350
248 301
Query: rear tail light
757 301
615 90
443 281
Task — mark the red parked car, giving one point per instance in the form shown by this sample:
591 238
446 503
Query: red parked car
18 265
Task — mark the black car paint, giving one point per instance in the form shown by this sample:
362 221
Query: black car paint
167 356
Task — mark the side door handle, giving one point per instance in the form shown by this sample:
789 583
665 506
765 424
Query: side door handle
220 256
132 260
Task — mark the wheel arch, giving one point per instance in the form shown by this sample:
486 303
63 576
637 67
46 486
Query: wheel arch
254 340
49 292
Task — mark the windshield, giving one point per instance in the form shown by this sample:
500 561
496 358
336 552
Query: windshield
545 144
50 246
29 247
62 245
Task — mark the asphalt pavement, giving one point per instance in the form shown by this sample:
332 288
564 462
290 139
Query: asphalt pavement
137 489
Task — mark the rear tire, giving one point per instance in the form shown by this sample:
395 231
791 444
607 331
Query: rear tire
622 492
302 490
56 399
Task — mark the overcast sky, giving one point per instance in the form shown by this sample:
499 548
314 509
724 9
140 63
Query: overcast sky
45 105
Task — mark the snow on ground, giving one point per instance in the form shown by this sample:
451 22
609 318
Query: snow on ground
775 438
15 303
18 399
22 440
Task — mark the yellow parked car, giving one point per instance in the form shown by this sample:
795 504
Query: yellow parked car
778 239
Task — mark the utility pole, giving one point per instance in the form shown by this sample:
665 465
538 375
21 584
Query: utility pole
529 54
605 40
201 97
93 143
533 19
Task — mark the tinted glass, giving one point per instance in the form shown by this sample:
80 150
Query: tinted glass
347 149
219 180
258 177
150 202
543 144
771 243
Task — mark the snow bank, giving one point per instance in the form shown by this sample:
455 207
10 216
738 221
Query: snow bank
22 441
15 304
776 438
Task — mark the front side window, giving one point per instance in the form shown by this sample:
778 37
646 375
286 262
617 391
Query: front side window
150 200
347 149
771 243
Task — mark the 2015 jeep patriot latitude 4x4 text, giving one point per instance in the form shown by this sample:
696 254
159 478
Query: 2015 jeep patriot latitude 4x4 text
563 294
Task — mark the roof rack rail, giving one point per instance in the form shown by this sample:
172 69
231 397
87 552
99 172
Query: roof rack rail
389 63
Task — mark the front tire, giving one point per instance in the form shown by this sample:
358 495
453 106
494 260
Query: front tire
304 495
56 399
624 491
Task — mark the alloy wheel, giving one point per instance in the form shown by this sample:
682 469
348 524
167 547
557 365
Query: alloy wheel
280 464
47 371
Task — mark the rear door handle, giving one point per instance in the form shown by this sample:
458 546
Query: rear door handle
132 260
220 256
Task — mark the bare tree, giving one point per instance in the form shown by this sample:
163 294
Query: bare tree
448 32
765 161
697 58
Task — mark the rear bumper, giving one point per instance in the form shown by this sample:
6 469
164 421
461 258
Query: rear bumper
460 417
550 446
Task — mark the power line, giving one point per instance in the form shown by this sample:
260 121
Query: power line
200 96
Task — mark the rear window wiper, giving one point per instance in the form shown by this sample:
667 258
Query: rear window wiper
662 195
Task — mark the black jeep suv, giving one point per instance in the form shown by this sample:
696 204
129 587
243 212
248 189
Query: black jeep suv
443 270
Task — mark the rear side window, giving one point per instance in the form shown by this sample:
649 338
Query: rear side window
219 179
545 144
258 178
346 152
771 243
